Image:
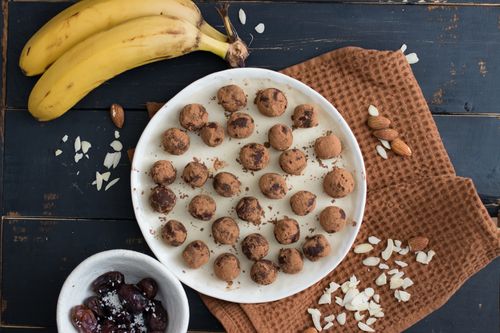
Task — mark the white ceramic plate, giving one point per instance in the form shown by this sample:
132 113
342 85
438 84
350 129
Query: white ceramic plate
204 91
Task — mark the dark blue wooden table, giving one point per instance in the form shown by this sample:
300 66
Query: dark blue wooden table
52 217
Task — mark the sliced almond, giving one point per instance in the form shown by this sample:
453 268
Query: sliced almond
407 283
381 280
373 240
371 261
363 248
418 243
373 111
365 328
117 115
242 16
260 28
329 318
371 321
401 263
381 151
386 144
430 255
328 326
388 134
399 147
378 123
386 254
116 145
395 283
341 318
58 152
383 266
421 257
77 144
326 298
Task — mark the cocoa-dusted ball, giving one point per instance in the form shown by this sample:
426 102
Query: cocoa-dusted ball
193 117
254 156
255 246
338 183
195 174
286 231
162 199
280 137
240 125
225 230
293 161
202 207
174 233
163 172
327 147
316 247
226 184
249 209
332 219
227 267
196 254
232 98
305 116
175 141
271 102
273 186
264 272
290 261
303 202
212 134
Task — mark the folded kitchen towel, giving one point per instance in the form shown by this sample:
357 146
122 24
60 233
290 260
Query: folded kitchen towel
419 195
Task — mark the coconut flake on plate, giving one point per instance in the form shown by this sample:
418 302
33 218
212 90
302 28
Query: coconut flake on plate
373 111
77 144
260 28
111 183
242 16
341 318
363 248
386 254
58 152
116 145
381 151
373 240
316 318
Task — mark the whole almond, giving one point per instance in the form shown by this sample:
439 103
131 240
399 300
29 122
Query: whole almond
418 243
117 115
388 134
399 147
378 123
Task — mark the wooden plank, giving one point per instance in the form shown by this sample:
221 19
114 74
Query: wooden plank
39 254
3 66
457 46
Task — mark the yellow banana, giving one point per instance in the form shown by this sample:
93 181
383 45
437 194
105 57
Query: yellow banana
111 52
88 17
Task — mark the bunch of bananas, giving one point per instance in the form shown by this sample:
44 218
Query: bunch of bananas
95 40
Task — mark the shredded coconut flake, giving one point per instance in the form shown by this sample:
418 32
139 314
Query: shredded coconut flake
116 159
407 283
396 282
404 251
373 240
98 180
78 144
116 145
341 318
64 138
105 176
330 318
365 328
412 58
371 321
86 146
316 318
430 255
381 151
371 261
242 16
386 144
386 254
260 28
403 48
117 135
363 248
111 183
381 280
58 152
108 160
326 298
328 325
422 257
383 266
373 111
78 157
376 298
401 263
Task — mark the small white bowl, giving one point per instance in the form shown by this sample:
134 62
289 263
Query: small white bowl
134 266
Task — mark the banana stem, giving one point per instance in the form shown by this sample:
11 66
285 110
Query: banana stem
234 53
223 11
208 30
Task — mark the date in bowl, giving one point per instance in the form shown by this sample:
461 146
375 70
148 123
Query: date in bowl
134 266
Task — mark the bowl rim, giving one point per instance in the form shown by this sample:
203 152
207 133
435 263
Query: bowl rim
108 255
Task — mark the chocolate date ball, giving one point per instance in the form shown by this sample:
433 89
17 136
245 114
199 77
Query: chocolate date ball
286 231
271 102
293 161
290 261
212 134
305 116
225 230
273 186
332 219
226 184
195 174
227 267
163 172
338 183
240 125
202 207
232 98
162 199
280 137
327 147
196 254
303 202
254 156
316 247
175 141
264 272
193 117
249 209
255 246
174 233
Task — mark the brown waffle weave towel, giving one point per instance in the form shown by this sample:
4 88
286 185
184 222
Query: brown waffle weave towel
420 195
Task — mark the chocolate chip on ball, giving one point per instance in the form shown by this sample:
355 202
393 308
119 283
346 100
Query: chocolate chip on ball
175 141
195 174
174 233
212 134
255 247
338 183
226 184
249 209
271 102
264 272
232 98
303 202
280 137
286 231
293 161
163 172
202 207
254 156
332 219
240 125
305 116
196 254
193 117
327 147
273 186
227 267
225 230
162 199
316 247
291 261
